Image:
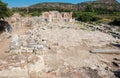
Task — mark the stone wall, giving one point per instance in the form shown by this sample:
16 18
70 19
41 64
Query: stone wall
55 16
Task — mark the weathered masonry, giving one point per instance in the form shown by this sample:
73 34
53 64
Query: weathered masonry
55 16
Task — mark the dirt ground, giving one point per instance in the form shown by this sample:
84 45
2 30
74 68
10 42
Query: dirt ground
68 47
73 46
5 43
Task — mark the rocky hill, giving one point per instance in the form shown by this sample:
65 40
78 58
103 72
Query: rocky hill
104 4
100 4
54 5
107 1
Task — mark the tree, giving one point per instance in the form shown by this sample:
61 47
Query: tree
116 21
89 8
88 17
4 11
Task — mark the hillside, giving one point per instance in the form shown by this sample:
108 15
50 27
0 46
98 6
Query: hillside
108 1
55 5
104 4
100 4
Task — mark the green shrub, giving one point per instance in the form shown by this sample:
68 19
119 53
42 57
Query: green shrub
118 29
116 21
88 17
36 13
76 14
4 11
22 13
95 18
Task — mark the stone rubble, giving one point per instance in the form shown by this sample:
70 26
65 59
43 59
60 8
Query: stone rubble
30 53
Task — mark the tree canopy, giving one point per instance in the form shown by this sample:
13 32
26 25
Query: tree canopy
4 11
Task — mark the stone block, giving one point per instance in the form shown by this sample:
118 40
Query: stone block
37 66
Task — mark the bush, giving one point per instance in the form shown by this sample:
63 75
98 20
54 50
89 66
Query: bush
116 21
36 13
4 11
76 14
96 18
88 17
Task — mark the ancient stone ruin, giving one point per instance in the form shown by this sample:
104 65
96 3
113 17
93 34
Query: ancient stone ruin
54 46
55 16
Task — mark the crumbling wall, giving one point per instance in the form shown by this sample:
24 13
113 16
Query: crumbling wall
55 16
